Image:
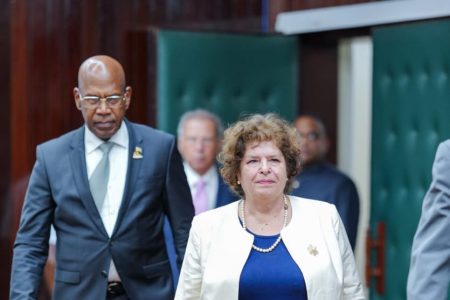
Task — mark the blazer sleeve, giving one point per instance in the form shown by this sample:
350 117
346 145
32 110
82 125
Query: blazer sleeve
178 199
190 282
31 244
429 271
351 286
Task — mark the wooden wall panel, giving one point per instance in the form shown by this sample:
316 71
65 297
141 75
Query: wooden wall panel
5 199
19 136
143 106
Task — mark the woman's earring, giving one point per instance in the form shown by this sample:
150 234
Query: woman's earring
238 182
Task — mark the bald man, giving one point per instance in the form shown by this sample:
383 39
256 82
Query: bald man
320 180
106 188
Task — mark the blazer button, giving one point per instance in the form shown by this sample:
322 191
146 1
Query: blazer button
104 273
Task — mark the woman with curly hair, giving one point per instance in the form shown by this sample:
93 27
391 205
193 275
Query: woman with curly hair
268 245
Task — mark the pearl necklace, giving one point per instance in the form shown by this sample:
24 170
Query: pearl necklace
278 240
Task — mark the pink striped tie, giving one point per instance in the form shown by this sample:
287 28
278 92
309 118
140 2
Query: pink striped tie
200 198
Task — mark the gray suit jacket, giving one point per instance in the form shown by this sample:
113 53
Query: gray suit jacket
59 194
429 273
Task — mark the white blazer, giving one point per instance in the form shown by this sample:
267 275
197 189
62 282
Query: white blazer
218 249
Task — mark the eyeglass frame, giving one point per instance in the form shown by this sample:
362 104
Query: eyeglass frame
310 136
102 99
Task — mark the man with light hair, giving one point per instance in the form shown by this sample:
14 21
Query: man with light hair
200 135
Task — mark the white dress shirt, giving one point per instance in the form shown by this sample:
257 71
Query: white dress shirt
210 178
118 158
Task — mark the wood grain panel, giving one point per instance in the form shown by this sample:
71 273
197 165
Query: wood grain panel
5 199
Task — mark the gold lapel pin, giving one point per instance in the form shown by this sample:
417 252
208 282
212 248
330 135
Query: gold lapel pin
137 154
312 250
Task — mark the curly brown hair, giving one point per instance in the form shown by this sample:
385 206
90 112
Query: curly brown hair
258 128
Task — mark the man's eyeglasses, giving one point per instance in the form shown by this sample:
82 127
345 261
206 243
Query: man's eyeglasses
310 136
95 101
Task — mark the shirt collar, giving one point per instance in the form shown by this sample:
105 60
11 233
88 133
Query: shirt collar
120 138
193 177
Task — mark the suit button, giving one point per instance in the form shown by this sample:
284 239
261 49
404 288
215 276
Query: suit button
104 273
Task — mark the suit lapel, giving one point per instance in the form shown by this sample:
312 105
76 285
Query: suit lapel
304 237
229 240
224 194
134 165
79 170
220 191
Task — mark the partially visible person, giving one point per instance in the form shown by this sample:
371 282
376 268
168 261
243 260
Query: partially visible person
429 272
320 180
268 245
105 187
200 134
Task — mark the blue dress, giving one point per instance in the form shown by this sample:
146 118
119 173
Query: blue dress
272 275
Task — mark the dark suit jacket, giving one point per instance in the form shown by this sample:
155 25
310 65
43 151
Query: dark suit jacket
324 182
59 194
224 197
